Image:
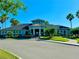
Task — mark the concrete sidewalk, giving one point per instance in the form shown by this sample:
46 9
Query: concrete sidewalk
70 42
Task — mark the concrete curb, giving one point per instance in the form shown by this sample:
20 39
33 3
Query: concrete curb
63 43
12 53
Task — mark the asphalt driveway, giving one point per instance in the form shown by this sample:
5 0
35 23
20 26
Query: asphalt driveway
30 49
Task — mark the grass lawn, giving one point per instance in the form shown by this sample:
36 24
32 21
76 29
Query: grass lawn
77 39
59 38
6 55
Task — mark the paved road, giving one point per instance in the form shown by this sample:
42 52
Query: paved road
28 49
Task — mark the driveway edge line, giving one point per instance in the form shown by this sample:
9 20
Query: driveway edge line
63 43
12 53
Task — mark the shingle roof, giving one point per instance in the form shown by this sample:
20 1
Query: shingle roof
37 20
59 26
23 26
18 27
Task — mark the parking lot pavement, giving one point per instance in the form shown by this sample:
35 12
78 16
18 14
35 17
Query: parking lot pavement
30 49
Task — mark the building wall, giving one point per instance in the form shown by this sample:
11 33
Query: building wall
5 32
64 31
58 30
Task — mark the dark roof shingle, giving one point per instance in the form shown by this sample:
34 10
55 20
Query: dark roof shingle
18 27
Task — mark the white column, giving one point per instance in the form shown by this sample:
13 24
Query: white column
39 32
33 31
44 31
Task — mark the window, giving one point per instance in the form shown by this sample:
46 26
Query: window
27 28
64 32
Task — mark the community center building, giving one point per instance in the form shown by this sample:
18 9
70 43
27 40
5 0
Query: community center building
36 28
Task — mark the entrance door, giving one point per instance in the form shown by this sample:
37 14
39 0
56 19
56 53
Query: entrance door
42 32
36 32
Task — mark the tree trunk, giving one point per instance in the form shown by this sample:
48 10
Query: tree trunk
2 25
71 24
5 24
70 29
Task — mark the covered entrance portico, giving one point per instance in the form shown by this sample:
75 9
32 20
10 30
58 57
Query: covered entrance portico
37 32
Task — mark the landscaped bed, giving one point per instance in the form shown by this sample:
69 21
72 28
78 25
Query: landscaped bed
6 55
59 38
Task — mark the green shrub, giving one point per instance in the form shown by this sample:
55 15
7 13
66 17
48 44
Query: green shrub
73 37
77 40
10 34
59 38
49 31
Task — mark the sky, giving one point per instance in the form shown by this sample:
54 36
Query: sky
54 11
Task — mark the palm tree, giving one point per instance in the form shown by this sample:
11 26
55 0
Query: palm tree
14 22
70 17
77 14
46 22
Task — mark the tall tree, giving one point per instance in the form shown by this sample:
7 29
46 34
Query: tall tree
14 22
49 31
9 7
46 22
70 17
75 31
3 18
77 14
